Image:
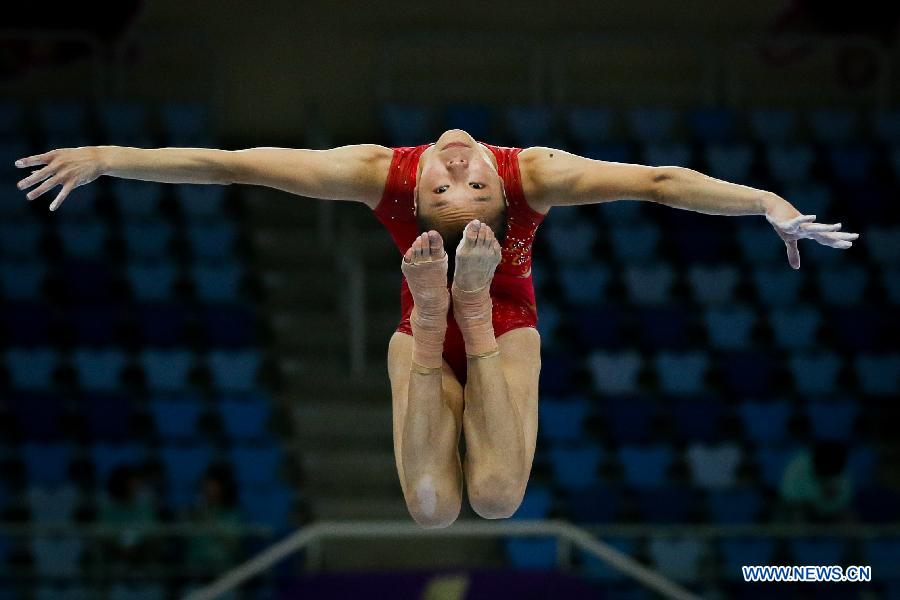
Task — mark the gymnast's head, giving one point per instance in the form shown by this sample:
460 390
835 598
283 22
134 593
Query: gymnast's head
458 182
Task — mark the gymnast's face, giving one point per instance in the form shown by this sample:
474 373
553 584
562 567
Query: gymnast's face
457 183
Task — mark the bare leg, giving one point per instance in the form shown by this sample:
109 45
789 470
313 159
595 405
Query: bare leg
426 414
496 456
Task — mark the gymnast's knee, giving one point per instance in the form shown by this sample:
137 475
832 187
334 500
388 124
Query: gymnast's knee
433 504
495 495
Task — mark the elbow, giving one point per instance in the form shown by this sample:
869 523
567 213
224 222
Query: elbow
662 183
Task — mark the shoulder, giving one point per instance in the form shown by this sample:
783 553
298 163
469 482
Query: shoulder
535 164
376 160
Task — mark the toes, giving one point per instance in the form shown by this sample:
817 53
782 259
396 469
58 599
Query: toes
436 243
471 233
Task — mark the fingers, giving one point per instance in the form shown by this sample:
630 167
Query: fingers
793 254
67 187
34 178
49 184
839 239
795 222
815 227
37 159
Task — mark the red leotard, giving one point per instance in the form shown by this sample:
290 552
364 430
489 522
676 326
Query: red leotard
512 290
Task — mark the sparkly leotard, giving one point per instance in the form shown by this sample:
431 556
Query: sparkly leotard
512 290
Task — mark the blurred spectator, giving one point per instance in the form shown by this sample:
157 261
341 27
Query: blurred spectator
130 505
217 506
816 485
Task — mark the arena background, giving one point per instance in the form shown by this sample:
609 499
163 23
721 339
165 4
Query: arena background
191 373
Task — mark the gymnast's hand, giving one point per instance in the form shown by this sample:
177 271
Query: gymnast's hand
68 167
791 225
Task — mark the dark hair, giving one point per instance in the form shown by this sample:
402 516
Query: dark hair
829 458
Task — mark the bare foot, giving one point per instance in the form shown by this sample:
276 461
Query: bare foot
477 256
425 267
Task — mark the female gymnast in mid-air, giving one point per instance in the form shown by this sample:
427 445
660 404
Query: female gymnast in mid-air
474 368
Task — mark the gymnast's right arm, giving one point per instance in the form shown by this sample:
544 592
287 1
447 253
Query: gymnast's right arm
355 172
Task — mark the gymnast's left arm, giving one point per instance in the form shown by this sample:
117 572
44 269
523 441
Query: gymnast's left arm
559 178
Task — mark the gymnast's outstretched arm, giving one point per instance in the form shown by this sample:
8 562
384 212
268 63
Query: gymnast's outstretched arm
354 173
558 178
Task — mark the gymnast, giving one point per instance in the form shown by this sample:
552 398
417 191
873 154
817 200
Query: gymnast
465 357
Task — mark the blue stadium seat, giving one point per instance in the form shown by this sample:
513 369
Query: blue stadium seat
777 286
731 162
862 463
88 280
267 506
478 120
122 119
729 327
842 284
646 466
630 419
584 284
529 125
599 326
244 419
150 239
795 327
166 370
37 415
885 124
878 374
575 466
833 124
201 201
184 120
234 370
57 556
407 125
609 151
695 244
737 552
667 504
176 418
817 551
212 241
62 117
548 325
759 244
567 241
677 558
536 503
22 279
698 418
773 124
651 123
682 372
748 373
614 372
558 371
851 163
765 422
185 464
814 372
789 162
665 154
599 503
109 415
256 465
47 465
735 506
595 568
621 211
710 124
884 244
635 243
151 281
772 461
99 369
713 467
31 368
713 284
890 281
83 238
562 419
811 198
883 555
137 199
52 505
161 324
877 504
20 238
107 456
664 327
227 325
649 284
27 323
217 282
531 553
589 123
